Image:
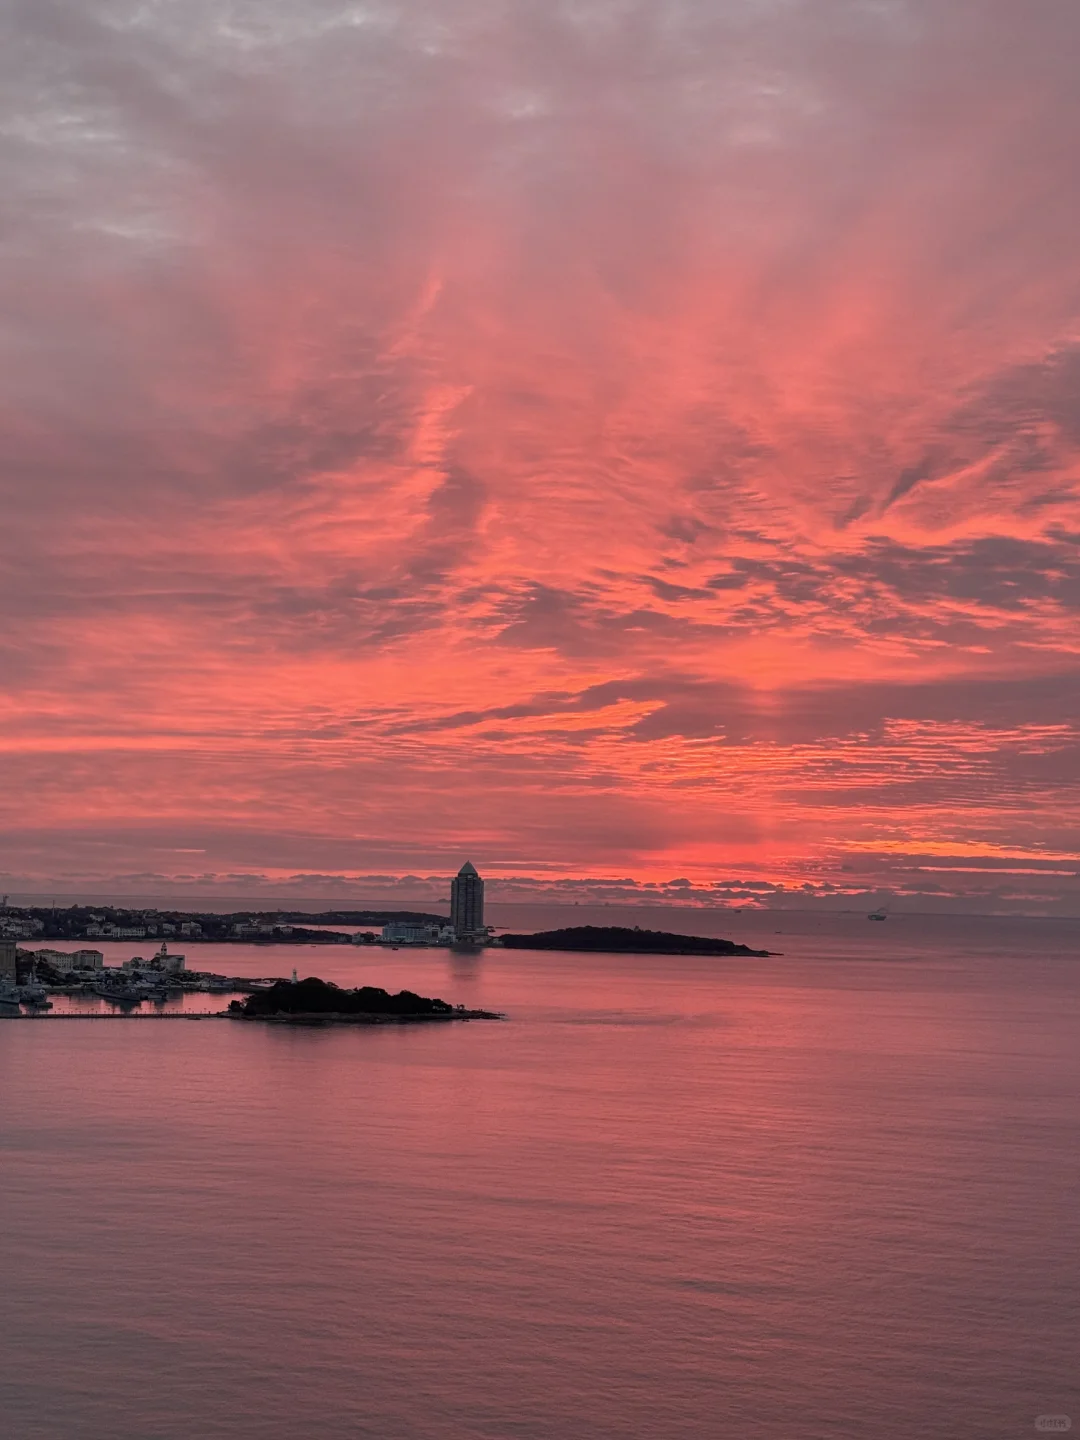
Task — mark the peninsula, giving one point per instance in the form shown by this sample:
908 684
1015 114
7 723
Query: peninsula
318 1002
257 927
463 927
621 940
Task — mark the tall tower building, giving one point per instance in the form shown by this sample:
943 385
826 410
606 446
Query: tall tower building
9 967
467 902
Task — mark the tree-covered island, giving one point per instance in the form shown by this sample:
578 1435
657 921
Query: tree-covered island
621 940
318 1002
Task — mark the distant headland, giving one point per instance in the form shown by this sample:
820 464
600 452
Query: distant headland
463 927
621 940
258 927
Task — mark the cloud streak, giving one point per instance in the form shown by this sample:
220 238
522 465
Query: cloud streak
621 437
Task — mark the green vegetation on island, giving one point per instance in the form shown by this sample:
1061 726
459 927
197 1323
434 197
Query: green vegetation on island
314 1001
621 940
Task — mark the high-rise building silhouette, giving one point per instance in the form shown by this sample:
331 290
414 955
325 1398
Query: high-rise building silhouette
467 902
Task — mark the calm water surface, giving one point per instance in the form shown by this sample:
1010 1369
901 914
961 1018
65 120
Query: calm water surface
828 1195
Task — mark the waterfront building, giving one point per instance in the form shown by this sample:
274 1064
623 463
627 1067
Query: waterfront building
87 960
64 961
13 929
410 932
58 959
162 960
8 970
467 903
167 960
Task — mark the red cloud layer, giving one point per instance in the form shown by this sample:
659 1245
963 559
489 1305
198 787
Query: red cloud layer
645 447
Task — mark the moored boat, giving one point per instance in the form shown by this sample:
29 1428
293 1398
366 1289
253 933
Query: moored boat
120 994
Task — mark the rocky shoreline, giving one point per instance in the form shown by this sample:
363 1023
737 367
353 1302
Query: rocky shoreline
334 1017
318 1002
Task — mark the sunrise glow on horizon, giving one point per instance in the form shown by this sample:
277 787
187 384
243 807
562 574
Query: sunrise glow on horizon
612 442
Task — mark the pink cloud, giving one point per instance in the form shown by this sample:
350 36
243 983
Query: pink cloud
688 394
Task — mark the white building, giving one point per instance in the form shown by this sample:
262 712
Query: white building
162 961
165 959
17 929
410 932
67 960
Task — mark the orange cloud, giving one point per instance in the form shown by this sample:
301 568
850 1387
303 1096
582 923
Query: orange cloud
647 449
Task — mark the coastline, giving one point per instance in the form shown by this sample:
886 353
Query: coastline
333 1017
337 1017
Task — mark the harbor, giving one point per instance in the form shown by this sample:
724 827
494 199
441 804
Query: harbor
51 984
44 982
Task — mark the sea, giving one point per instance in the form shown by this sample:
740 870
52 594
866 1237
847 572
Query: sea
829 1195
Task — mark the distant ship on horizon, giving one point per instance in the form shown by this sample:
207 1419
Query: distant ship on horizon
878 914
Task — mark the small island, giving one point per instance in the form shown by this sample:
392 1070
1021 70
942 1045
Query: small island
318 1002
621 940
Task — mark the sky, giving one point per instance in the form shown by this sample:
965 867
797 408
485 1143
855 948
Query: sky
632 444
